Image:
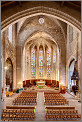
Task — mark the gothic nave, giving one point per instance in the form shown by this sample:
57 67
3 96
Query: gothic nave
40 60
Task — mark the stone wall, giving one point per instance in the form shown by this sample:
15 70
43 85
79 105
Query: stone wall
73 50
8 51
54 27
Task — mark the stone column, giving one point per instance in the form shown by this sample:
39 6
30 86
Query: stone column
30 75
44 63
79 58
52 64
57 64
63 64
14 33
60 65
18 64
36 63
27 63
4 61
23 64
14 76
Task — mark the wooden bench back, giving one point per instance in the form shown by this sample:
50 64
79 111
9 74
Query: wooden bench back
60 107
16 107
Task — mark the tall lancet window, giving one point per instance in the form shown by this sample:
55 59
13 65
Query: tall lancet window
41 63
48 63
33 62
54 57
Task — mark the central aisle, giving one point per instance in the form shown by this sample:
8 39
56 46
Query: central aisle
40 108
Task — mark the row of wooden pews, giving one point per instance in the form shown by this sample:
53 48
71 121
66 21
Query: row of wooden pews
62 114
13 113
52 98
26 98
24 113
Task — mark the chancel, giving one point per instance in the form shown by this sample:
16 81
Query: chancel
40 60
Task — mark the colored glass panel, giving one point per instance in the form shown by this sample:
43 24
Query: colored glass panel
40 63
48 63
33 63
54 57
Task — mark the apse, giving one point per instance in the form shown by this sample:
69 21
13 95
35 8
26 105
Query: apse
41 55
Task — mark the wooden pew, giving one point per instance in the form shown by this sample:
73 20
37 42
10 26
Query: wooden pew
62 114
15 113
20 107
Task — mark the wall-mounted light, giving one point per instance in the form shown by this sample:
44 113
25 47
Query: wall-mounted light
6 67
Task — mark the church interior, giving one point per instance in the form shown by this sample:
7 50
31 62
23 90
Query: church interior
40 60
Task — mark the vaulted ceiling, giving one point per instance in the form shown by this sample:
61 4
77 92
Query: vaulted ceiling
51 29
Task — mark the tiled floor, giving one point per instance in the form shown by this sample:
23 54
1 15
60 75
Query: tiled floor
40 107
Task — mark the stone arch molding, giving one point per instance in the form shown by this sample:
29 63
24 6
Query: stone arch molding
41 10
12 60
49 37
9 55
67 68
70 60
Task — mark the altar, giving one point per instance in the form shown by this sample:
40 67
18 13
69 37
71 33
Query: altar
40 84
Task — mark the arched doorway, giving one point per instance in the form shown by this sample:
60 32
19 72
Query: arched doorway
70 72
9 75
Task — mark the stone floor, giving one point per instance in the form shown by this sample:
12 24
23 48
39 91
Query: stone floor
40 107
8 101
73 102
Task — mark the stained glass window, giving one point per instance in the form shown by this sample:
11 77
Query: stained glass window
54 57
48 63
33 62
40 63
